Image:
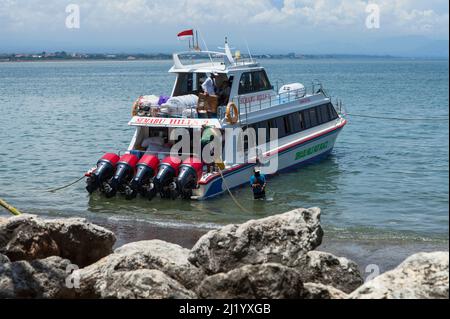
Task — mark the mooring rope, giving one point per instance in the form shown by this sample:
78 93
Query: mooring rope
398 118
52 190
231 194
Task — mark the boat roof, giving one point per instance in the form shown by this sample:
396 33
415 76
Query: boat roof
210 61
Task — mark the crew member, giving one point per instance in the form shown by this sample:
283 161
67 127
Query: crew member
209 86
224 93
258 184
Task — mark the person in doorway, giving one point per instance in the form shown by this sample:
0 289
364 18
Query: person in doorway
209 86
224 93
258 184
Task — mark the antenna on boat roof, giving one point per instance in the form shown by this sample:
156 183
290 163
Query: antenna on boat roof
248 50
206 47
228 51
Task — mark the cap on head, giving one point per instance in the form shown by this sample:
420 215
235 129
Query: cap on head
257 170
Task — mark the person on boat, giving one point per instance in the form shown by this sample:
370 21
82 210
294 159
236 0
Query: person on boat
155 145
209 86
258 184
224 92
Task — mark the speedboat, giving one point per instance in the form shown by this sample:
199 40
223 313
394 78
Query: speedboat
193 145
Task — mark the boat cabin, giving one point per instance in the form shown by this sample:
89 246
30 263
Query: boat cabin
241 83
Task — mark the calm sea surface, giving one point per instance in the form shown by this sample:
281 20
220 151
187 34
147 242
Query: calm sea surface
385 178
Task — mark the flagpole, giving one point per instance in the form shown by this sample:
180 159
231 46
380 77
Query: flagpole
196 32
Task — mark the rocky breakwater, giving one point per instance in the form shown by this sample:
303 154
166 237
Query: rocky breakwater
273 257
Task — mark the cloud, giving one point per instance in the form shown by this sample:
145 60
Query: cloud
276 20
405 14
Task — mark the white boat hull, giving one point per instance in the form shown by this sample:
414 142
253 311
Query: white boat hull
303 150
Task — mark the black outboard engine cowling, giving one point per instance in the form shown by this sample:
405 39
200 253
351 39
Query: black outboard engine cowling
123 175
190 172
164 180
104 170
143 180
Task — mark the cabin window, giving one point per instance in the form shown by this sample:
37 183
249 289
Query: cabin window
250 134
298 121
323 113
255 127
261 82
189 83
332 111
313 116
295 122
264 127
301 119
282 126
245 83
306 119
251 82
287 124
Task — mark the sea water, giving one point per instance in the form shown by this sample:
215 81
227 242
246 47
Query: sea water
387 177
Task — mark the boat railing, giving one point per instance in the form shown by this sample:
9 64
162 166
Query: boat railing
248 104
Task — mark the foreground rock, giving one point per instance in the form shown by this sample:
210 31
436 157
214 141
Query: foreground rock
4 259
168 258
45 278
270 280
327 269
142 284
320 291
420 276
267 258
282 239
28 237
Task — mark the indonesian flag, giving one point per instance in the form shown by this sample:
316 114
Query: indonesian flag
185 33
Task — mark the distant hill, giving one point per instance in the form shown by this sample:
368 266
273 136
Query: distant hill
414 46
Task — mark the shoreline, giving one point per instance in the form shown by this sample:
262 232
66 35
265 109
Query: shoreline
385 254
331 57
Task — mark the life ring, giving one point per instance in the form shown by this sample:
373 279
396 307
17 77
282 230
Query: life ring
231 119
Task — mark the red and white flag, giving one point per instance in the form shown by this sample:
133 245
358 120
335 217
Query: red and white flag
186 33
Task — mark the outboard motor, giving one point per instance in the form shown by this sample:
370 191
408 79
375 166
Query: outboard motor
124 173
164 180
190 172
104 171
142 182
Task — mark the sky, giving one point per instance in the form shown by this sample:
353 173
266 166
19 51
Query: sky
406 27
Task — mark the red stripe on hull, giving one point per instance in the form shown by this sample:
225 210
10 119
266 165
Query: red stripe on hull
277 151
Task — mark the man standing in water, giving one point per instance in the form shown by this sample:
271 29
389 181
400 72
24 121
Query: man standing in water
258 184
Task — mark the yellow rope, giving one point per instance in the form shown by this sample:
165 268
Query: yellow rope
231 194
12 209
